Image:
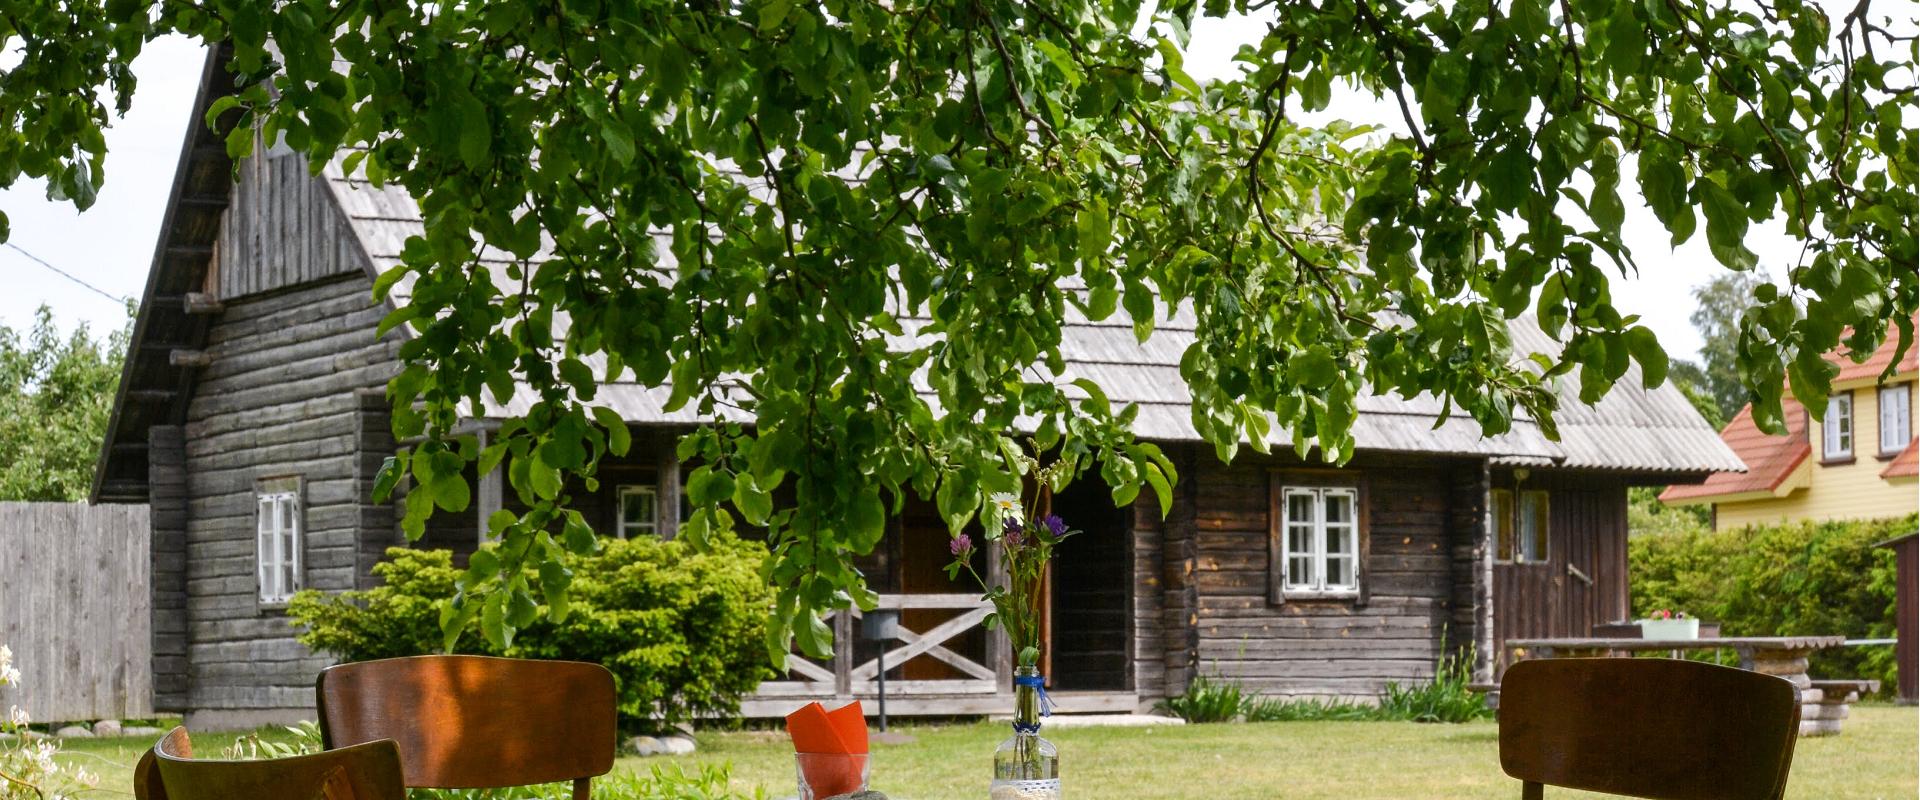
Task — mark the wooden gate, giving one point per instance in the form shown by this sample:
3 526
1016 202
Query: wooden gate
978 688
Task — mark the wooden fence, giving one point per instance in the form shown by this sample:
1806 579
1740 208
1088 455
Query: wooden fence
75 608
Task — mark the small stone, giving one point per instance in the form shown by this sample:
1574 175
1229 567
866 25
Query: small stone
678 745
108 727
643 746
74 732
140 730
859 796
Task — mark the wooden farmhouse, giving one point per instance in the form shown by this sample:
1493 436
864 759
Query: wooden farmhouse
252 418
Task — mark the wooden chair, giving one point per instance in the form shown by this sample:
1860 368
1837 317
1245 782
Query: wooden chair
169 771
1647 727
474 722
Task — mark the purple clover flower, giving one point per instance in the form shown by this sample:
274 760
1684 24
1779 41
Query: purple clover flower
961 546
1012 533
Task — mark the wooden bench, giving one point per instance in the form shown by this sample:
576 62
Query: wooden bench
1823 714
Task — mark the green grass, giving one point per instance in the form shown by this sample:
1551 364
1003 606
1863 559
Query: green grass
1874 760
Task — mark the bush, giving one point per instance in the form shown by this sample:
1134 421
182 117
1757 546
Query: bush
1446 698
1207 700
682 631
1781 580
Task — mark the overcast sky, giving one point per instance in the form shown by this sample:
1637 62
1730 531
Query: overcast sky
111 246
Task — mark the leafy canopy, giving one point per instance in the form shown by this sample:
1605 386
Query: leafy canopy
55 397
850 231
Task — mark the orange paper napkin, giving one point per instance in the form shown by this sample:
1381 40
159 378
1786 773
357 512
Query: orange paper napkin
842 731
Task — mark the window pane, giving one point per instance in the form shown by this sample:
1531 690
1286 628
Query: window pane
1339 540
1339 506
1533 526
1340 572
1300 571
1895 419
1500 511
1838 426
1300 507
638 509
1300 540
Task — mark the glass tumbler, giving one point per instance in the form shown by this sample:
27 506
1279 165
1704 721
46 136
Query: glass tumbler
824 775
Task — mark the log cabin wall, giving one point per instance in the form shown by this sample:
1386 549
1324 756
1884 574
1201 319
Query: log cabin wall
1347 648
281 397
1586 541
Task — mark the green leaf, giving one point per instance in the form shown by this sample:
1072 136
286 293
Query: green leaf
619 437
754 503
1726 226
1646 349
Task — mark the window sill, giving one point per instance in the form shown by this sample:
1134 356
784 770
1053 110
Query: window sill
1837 461
1308 595
1887 456
1529 563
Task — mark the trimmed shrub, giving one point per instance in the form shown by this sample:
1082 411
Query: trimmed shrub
1781 580
682 631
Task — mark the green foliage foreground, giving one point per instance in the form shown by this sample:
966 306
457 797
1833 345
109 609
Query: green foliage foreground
826 220
680 630
1781 580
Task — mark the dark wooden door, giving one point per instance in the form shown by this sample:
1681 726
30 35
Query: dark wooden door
1582 581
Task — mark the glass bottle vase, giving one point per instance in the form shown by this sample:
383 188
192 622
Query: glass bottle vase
1026 767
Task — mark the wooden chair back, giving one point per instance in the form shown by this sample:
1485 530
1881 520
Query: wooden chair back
1647 727
475 722
169 771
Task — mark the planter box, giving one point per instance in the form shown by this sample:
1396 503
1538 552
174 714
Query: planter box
1669 629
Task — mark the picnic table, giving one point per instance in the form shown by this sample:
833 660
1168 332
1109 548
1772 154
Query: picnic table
1781 656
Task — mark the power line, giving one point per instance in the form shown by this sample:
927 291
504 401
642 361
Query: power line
65 274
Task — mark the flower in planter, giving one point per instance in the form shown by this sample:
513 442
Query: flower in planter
961 547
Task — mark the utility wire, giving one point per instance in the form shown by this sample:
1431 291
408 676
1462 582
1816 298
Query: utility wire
65 274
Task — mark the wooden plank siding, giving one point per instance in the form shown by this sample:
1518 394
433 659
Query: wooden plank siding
76 610
283 396
282 228
1310 647
167 511
1586 530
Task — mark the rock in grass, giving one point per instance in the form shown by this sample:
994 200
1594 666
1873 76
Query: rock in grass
859 796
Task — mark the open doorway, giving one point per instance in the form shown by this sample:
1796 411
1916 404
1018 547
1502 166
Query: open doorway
1092 592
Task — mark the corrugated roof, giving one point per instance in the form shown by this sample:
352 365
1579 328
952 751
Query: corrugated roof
1770 459
1632 429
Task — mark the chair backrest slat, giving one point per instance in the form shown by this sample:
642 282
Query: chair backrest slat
466 722
368 771
1653 728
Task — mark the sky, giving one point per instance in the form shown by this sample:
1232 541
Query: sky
110 247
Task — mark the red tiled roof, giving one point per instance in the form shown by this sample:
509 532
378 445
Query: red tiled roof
1905 465
1872 367
1770 459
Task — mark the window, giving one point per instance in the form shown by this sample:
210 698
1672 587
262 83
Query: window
1520 528
1320 538
278 541
639 510
1837 429
1896 418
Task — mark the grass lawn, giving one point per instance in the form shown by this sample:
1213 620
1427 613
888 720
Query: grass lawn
1875 758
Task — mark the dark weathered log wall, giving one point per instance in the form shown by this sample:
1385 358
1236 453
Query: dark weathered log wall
1307 647
281 397
167 511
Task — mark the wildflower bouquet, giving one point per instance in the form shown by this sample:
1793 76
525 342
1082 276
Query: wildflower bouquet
28 770
1027 532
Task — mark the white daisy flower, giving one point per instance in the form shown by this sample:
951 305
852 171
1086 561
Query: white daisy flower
1008 503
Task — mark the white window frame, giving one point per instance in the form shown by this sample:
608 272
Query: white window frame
279 542
627 529
1896 429
1837 427
1316 585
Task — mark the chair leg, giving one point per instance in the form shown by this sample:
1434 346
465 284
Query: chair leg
582 789
1532 791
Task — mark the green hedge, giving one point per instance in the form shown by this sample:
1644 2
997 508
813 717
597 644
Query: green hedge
682 631
1781 580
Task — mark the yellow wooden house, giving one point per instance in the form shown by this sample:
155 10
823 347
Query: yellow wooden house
1859 462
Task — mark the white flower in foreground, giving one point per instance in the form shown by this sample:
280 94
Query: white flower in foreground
17 717
1008 503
